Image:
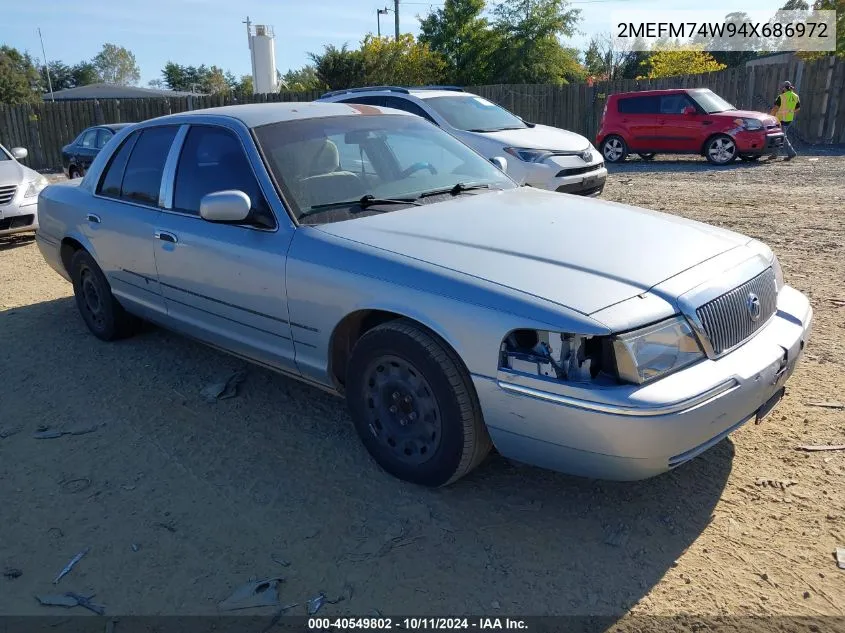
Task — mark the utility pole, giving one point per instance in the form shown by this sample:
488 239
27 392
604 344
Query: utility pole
46 65
396 17
379 13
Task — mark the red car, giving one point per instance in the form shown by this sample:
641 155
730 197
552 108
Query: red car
687 121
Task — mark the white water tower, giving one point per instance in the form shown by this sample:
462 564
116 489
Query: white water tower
262 50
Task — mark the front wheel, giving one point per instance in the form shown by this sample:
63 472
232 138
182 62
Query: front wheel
102 313
414 405
614 149
720 150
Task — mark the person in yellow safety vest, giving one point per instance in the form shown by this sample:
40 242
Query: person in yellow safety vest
785 107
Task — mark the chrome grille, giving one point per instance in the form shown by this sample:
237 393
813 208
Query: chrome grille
7 192
727 319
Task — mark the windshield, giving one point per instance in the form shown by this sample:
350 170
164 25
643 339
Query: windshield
710 101
326 166
470 113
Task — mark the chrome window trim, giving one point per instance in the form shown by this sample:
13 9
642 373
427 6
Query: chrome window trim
165 192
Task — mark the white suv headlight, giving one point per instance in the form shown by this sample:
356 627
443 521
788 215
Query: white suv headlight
35 187
656 350
528 155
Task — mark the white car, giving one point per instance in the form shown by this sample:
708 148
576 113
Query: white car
19 189
536 155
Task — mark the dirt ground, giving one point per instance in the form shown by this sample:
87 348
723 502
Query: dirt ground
182 501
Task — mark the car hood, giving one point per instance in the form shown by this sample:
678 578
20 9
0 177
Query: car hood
767 119
585 254
540 137
13 173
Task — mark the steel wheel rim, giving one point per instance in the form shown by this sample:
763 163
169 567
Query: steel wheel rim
402 412
722 150
613 149
91 299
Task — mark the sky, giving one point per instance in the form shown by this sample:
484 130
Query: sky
195 32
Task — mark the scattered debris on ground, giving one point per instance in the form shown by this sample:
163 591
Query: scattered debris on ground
316 603
69 600
224 389
840 557
74 486
259 593
827 405
280 561
782 484
821 447
70 565
49 434
9 431
12 573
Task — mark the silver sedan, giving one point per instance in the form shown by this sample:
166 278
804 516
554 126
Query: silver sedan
366 252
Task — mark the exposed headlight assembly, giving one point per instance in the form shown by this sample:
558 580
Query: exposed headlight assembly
779 283
35 187
656 350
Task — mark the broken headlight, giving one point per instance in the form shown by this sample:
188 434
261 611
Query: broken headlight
656 350
570 357
779 283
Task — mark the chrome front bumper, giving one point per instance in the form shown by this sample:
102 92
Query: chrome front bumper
636 432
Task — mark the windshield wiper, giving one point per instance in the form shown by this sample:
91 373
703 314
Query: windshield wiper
363 202
457 189
494 129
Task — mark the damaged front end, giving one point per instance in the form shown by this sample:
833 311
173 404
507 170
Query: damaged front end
634 357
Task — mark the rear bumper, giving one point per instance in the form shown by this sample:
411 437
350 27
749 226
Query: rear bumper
686 413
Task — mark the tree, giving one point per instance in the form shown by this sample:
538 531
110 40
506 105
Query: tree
607 59
531 50
116 65
464 39
796 5
301 80
60 76
244 85
215 81
84 73
20 81
339 68
669 63
403 62
747 48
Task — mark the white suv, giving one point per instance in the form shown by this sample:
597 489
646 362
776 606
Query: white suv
535 155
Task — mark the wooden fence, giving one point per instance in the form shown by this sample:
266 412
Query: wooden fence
45 127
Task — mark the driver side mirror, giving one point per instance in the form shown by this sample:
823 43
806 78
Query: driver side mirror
19 153
500 162
689 110
225 206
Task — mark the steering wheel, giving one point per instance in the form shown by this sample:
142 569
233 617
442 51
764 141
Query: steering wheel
417 167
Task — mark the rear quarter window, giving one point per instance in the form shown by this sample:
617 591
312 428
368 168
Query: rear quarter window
639 105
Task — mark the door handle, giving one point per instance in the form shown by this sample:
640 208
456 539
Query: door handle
93 219
164 236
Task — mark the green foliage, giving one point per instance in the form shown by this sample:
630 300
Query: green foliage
403 62
301 80
339 68
465 41
116 65
20 81
670 63
63 76
839 7
202 79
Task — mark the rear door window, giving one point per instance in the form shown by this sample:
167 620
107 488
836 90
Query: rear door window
142 179
639 105
113 175
375 100
408 106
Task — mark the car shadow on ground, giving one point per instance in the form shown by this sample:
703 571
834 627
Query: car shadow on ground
14 241
283 458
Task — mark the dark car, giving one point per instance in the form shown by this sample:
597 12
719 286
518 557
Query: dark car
684 121
77 155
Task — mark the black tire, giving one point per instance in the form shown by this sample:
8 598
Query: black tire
414 405
647 156
614 149
102 313
72 173
749 158
720 149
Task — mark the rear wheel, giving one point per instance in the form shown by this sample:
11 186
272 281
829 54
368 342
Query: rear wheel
647 156
414 405
720 150
73 173
614 149
102 313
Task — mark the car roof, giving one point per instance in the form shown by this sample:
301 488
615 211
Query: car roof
652 93
114 127
421 92
258 114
